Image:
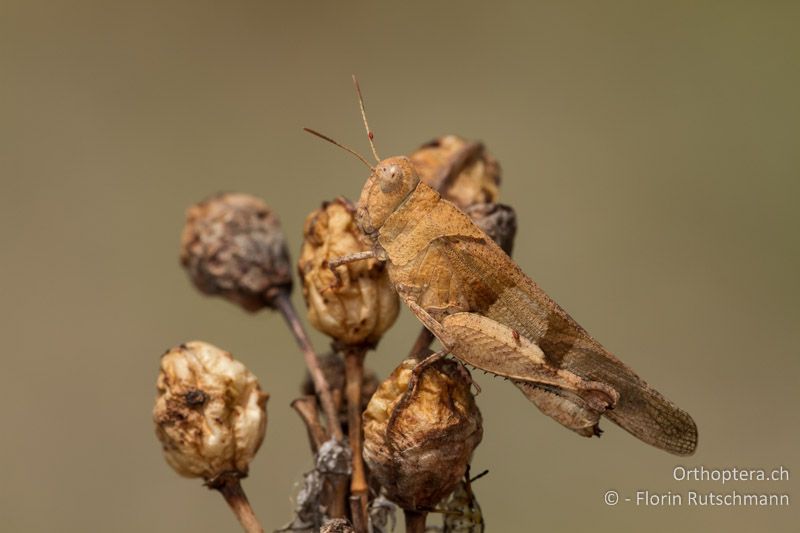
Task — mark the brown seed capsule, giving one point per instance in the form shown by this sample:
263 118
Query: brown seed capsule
462 171
232 245
499 221
420 458
357 304
210 412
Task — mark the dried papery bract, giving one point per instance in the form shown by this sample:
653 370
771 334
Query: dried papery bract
418 445
232 245
211 417
461 171
353 303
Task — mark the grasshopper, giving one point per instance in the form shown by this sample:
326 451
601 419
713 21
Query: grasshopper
490 315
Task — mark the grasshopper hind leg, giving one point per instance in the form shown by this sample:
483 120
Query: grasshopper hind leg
416 372
438 331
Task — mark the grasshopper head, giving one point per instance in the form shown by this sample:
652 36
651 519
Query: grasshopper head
390 182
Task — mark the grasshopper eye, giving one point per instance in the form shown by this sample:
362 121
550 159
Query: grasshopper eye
390 177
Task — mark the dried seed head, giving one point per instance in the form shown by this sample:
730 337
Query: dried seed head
499 221
421 457
232 245
210 412
332 365
359 306
462 171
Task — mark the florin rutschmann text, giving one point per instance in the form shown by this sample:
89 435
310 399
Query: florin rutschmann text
743 497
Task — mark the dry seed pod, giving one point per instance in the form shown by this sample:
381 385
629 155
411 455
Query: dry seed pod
499 221
210 412
462 171
423 455
232 245
359 306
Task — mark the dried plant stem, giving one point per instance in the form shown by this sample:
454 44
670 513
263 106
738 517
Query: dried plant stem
337 498
354 372
306 407
358 511
422 344
312 363
334 495
415 521
231 489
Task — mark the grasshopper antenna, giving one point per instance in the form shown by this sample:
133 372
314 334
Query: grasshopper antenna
370 136
343 147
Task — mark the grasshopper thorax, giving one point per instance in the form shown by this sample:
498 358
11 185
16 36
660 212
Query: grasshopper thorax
389 184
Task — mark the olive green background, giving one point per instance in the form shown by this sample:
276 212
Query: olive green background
650 149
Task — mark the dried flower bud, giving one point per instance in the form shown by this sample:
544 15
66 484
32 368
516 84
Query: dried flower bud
232 245
359 306
421 458
462 171
210 412
499 221
332 365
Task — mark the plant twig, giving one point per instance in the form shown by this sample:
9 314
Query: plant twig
354 372
231 489
358 511
337 498
334 491
415 521
306 407
312 363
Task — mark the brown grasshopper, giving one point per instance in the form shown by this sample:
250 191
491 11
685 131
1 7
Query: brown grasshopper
487 313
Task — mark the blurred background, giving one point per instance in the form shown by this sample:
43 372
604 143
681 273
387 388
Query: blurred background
651 152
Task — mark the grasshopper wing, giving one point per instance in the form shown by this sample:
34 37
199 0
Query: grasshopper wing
502 292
